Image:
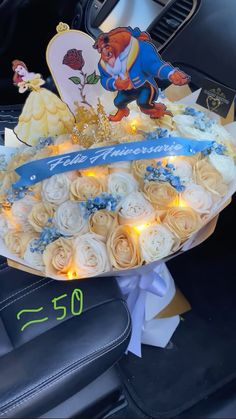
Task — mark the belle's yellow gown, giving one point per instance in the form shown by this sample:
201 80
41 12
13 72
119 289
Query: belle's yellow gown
43 114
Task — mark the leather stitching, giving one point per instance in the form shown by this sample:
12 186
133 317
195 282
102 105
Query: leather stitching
24 295
22 289
73 367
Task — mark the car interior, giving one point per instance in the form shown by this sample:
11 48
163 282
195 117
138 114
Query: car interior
79 367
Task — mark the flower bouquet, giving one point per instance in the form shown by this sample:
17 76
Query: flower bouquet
117 199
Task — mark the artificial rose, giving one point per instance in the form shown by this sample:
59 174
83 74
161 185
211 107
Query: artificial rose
208 177
100 222
86 187
123 247
90 255
21 209
17 160
74 59
224 165
121 184
182 222
17 241
70 219
139 168
136 210
56 189
4 225
120 166
156 242
196 197
44 152
183 169
40 214
58 256
32 257
161 194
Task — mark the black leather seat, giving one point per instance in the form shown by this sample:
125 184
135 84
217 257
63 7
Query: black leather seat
48 363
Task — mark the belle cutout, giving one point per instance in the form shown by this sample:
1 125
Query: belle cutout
43 114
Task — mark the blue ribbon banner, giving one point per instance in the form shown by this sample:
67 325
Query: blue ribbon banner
38 170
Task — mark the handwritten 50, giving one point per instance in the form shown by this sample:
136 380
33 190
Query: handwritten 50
76 308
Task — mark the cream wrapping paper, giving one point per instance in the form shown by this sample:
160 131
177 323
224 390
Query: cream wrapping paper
154 331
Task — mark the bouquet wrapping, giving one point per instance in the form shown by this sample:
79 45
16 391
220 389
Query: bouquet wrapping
121 215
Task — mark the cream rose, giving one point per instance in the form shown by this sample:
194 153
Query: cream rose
123 248
32 257
40 214
56 189
224 165
121 184
161 194
90 255
17 160
17 241
139 167
86 187
182 221
21 209
4 226
120 166
208 177
183 169
198 198
100 222
156 242
70 219
135 210
58 257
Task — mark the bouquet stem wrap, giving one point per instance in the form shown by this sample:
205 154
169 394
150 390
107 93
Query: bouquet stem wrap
147 294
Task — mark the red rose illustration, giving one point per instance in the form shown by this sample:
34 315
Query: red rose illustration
74 59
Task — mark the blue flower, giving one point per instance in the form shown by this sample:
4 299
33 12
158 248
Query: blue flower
164 174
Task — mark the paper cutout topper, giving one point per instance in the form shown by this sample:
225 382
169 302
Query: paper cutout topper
129 64
43 114
73 64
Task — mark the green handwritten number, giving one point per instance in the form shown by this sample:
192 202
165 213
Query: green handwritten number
31 310
56 307
77 295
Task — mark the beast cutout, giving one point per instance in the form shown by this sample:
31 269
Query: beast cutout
129 64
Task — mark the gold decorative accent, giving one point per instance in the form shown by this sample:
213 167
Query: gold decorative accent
62 27
92 126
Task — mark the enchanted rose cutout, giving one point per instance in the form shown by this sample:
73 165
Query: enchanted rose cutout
74 59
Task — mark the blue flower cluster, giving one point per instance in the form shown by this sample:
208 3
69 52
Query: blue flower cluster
201 121
14 194
48 235
164 174
158 133
215 148
103 201
44 142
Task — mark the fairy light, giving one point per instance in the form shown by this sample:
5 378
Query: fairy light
182 203
133 126
140 228
71 275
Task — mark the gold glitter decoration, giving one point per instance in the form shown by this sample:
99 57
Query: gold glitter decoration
91 127
104 128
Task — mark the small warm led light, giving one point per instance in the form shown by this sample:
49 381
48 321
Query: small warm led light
182 203
140 228
87 173
133 126
71 275
171 159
